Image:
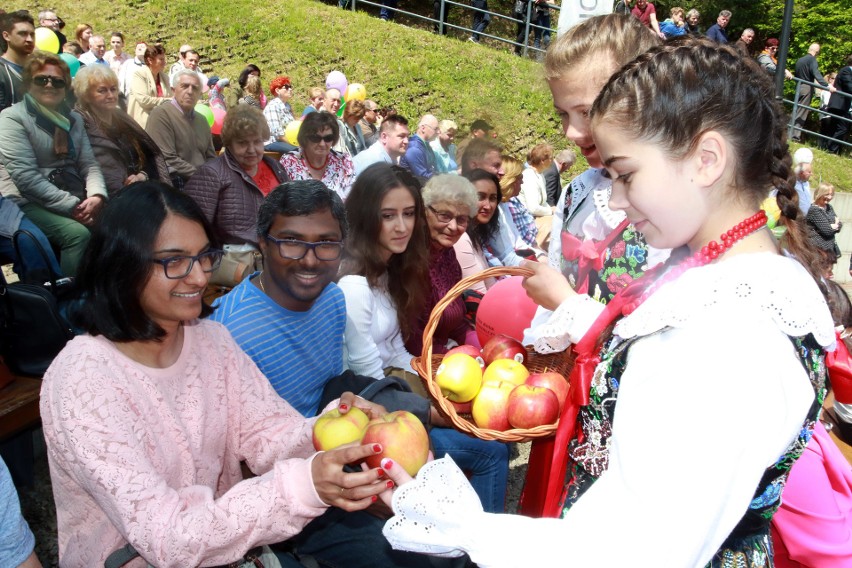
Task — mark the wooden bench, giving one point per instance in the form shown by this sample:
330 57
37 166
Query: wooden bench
19 406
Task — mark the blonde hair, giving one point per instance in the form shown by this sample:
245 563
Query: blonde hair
823 189
253 86
513 169
446 125
618 37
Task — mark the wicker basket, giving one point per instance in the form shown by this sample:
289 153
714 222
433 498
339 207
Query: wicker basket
427 363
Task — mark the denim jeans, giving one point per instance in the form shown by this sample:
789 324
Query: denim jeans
480 19
487 463
541 20
31 264
387 12
355 540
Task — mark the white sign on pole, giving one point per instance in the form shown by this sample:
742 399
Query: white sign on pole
575 11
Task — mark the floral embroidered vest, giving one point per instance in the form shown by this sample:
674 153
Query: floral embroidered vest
748 546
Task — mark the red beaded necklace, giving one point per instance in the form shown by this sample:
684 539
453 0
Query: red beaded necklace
707 254
308 163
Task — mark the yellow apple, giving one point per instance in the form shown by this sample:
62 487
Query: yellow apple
334 429
506 370
459 377
489 408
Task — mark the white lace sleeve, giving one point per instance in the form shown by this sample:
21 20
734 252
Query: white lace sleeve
432 511
566 325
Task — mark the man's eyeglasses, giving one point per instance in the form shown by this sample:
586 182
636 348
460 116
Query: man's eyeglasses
316 138
177 267
445 217
293 249
43 80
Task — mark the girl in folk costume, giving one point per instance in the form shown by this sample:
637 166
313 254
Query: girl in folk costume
594 246
697 387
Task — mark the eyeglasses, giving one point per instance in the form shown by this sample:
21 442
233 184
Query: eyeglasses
445 217
177 267
316 138
292 249
43 80
288 87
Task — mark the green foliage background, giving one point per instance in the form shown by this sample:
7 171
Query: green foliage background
418 72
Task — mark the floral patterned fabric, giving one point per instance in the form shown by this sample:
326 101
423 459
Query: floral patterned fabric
339 172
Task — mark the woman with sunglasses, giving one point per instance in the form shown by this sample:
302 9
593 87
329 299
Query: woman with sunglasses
450 202
279 114
315 159
46 162
149 414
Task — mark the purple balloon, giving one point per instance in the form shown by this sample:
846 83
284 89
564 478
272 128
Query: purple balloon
336 80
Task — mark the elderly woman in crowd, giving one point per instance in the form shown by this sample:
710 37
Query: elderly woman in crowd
315 158
231 188
149 85
125 152
279 114
823 223
450 202
352 139
444 147
46 163
768 58
149 414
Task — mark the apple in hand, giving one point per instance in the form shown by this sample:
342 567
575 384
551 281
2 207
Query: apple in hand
334 429
459 377
531 406
507 370
503 347
490 406
553 381
468 350
403 439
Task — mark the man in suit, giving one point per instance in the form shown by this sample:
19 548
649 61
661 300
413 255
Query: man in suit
807 70
839 107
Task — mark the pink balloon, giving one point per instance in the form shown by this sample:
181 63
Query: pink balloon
505 309
218 120
336 80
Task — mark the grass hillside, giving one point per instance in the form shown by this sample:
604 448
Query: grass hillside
407 68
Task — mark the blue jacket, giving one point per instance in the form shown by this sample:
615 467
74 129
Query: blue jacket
717 33
419 158
671 29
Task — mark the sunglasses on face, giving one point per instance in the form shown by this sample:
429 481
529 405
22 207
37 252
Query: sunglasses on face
316 138
43 80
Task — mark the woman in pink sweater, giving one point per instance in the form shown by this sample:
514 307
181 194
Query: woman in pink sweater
148 416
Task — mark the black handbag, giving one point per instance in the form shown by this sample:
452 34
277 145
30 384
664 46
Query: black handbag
32 328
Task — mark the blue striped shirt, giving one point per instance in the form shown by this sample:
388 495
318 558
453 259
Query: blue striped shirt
297 351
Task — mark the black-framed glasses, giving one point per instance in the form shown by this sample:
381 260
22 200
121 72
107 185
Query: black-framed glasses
445 217
316 138
43 80
293 249
177 267
288 87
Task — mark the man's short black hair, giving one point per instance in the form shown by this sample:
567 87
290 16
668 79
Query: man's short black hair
480 124
8 21
298 199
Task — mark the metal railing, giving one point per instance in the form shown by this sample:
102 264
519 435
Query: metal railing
794 128
441 25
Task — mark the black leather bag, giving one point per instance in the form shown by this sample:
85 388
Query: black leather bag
32 328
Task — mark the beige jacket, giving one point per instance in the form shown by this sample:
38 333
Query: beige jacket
143 94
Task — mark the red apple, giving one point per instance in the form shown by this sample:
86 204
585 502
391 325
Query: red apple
553 381
403 439
507 370
503 347
334 429
490 406
462 407
459 377
531 406
468 350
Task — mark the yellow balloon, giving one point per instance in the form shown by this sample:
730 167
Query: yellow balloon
46 40
291 133
355 92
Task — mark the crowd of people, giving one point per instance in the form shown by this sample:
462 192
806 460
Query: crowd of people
360 221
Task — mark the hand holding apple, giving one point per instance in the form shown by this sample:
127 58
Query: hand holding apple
349 491
334 429
402 437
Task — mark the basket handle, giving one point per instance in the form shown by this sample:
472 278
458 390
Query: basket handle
452 294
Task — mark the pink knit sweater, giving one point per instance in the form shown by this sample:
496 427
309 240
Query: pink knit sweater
152 456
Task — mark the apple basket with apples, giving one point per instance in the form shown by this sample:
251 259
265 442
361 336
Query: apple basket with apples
428 363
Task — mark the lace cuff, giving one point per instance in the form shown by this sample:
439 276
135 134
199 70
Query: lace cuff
432 512
567 324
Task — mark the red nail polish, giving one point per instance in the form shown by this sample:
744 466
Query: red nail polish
377 448
374 498
389 484
344 406
381 473
387 464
